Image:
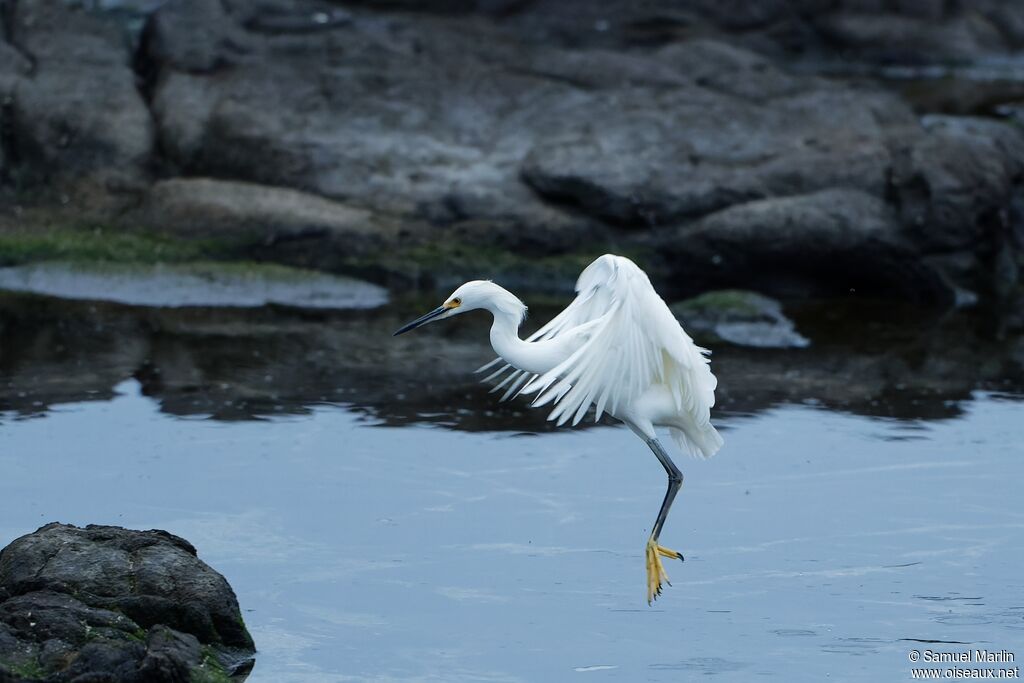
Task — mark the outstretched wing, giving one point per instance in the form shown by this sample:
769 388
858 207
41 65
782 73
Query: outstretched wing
634 343
591 302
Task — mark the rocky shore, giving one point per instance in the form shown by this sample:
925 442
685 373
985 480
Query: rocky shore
103 603
518 139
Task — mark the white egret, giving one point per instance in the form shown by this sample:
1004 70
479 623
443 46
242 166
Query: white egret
616 348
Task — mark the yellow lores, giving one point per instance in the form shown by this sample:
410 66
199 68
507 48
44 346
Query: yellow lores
616 349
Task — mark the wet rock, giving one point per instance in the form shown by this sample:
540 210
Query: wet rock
106 603
224 285
78 112
738 317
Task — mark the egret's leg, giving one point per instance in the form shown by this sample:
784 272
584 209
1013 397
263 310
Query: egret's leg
655 570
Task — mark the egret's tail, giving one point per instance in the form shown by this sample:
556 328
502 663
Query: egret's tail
702 442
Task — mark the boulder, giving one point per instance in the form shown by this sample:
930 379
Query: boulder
78 112
107 603
252 214
832 241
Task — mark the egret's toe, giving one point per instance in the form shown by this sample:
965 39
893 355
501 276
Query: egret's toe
655 569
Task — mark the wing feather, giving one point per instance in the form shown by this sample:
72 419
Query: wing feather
589 304
632 341
635 342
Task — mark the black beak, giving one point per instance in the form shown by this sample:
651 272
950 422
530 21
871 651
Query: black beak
422 320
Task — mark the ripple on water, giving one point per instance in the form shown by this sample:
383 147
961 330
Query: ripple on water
854 646
707 665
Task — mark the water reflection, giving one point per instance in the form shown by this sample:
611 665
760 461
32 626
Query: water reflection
232 364
362 553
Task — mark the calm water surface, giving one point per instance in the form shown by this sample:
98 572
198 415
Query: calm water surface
400 537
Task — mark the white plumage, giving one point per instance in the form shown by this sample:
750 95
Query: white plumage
616 348
626 342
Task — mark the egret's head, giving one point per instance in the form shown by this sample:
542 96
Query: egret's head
469 297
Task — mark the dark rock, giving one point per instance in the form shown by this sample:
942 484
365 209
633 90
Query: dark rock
703 151
78 113
13 68
952 186
917 31
194 35
738 317
795 246
114 604
905 38
259 214
382 141
503 142
449 152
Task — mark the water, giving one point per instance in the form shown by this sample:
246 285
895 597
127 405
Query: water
380 518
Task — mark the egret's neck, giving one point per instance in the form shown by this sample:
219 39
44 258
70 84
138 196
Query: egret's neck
505 338
508 314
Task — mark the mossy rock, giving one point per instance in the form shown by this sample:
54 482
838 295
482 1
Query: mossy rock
739 317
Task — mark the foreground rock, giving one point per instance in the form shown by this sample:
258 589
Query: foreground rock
109 604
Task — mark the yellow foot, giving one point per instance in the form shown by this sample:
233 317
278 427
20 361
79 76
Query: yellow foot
655 570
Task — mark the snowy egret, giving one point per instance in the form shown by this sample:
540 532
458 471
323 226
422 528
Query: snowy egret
616 347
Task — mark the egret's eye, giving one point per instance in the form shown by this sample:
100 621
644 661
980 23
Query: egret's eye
457 301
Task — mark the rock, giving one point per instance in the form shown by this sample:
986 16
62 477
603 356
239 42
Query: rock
115 604
78 113
194 285
953 187
891 37
838 240
390 143
448 153
916 31
738 317
501 141
631 167
251 213
13 68
194 35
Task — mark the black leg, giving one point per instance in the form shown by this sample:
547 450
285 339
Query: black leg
675 481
